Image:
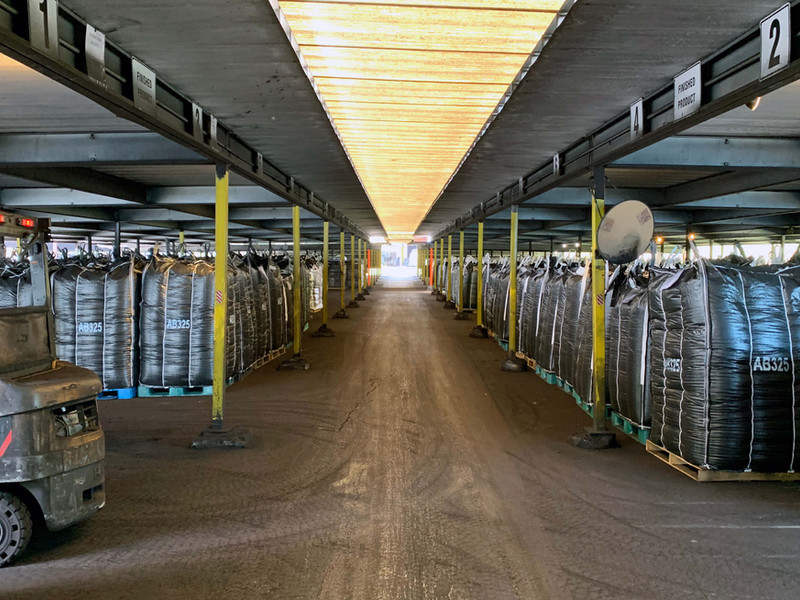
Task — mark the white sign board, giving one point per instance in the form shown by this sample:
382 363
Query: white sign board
776 44
557 164
688 87
144 88
96 54
197 122
43 26
637 119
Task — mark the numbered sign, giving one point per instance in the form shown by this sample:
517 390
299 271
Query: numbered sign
556 164
776 41
197 122
637 119
212 133
43 26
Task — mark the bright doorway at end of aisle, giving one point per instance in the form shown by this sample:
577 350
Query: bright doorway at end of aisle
399 261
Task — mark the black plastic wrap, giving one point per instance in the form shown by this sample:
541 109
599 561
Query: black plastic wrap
575 284
726 395
583 380
95 315
550 317
15 287
627 349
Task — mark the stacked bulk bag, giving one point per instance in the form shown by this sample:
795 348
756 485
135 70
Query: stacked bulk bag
177 323
576 282
95 317
453 275
724 380
336 278
15 286
469 289
628 346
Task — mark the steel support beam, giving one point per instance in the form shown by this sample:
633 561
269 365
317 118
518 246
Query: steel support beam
167 112
731 77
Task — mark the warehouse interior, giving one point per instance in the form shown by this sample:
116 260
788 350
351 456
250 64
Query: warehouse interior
332 271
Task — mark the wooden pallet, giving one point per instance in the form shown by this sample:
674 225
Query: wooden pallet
706 475
637 432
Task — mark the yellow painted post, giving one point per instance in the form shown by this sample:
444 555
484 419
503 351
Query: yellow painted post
480 275
220 296
449 267
298 313
325 226
360 269
342 267
461 270
352 267
598 304
181 238
435 267
512 286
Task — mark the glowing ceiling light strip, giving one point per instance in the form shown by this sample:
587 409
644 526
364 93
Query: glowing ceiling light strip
410 84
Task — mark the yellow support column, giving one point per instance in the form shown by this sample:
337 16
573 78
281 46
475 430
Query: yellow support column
360 275
220 295
479 331
460 270
217 435
435 278
324 330
449 274
353 303
513 363
342 314
598 304
598 436
296 362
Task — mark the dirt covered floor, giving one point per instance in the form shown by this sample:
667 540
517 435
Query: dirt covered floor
404 465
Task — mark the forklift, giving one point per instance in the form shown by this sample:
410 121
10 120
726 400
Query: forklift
52 448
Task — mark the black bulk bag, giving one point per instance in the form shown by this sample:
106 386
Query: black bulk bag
627 348
177 323
95 316
727 396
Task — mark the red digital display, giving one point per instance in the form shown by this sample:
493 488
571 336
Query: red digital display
2 219
29 223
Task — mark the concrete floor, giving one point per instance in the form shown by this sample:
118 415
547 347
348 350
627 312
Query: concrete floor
404 464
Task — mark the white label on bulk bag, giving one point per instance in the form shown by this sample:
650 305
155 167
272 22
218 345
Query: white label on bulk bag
672 364
772 364
90 327
179 323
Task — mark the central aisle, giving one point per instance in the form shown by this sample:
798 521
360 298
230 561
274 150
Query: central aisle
404 465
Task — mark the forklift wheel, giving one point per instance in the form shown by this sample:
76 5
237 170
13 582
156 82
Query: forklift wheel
16 527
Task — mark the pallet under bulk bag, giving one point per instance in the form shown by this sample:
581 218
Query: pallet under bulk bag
177 323
628 349
95 318
728 398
